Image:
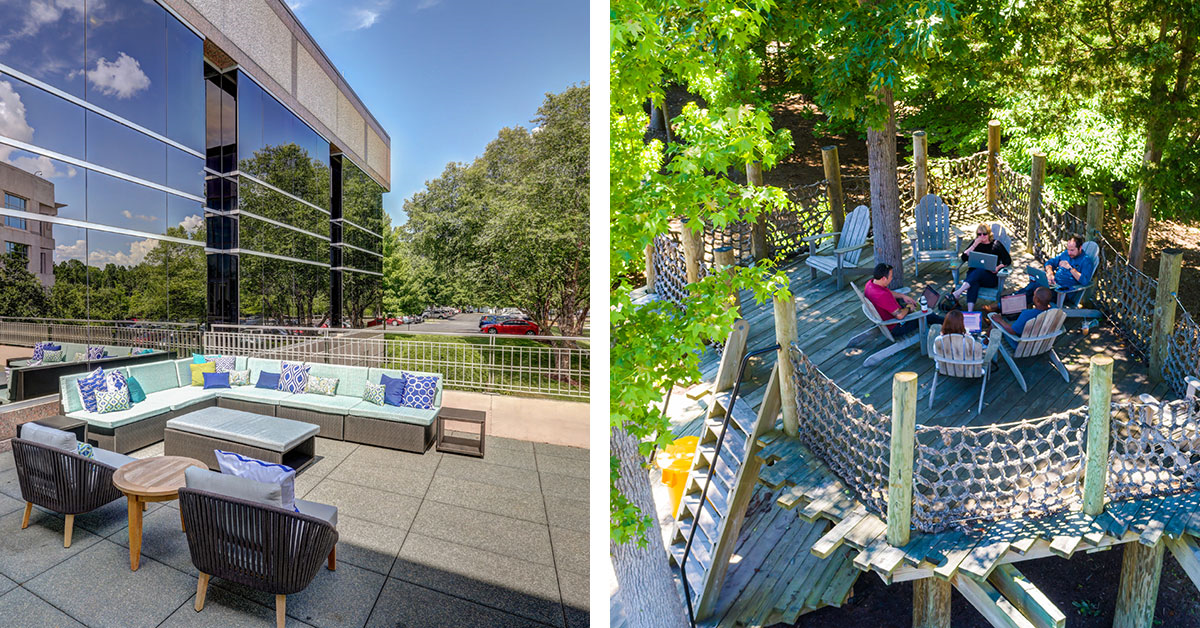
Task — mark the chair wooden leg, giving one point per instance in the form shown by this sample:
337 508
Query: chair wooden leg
982 389
333 559
28 511
1062 370
68 528
933 390
280 610
1012 366
201 590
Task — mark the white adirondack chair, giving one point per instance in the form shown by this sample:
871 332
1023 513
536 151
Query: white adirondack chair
1078 293
1037 338
898 344
933 238
959 355
999 234
851 240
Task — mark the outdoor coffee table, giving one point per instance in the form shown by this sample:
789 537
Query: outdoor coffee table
149 480
268 438
459 442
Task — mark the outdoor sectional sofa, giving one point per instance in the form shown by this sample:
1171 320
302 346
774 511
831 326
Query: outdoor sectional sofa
343 416
30 382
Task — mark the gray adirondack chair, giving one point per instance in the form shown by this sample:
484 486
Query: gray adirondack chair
851 240
1037 338
1079 293
898 344
959 355
999 234
933 238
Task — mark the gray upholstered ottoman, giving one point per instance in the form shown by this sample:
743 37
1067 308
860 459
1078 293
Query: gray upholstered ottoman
197 434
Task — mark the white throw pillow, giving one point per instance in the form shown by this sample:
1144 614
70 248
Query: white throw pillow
255 469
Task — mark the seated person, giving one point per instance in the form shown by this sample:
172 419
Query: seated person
1041 302
979 277
1069 269
954 324
885 301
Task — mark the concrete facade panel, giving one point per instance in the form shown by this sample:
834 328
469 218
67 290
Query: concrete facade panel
315 90
378 156
260 33
351 127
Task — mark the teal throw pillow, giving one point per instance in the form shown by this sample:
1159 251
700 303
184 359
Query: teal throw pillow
374 393
136 394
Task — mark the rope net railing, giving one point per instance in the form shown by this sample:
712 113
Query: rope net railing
670 271
1155 449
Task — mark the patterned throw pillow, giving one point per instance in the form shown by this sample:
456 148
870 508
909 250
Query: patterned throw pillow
78 357
321 386
419 390
114 401
374 393
95 353
239 378
114 380
225 363
84 450
88 386
39 349
51 355
294 377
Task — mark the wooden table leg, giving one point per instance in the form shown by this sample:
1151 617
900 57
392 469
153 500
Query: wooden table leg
135 532
182 525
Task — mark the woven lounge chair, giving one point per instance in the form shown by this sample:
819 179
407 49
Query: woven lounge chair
898 343
1037 338
959 355
933 238
836 259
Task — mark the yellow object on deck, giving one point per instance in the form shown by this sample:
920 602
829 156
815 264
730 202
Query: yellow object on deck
675 461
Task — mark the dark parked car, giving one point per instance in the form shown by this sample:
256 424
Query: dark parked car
512 326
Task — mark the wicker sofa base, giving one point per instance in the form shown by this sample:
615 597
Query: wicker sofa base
330 424
180 443
134 436
253 407
390 434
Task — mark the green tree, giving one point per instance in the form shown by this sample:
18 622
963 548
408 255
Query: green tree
21 294
404 278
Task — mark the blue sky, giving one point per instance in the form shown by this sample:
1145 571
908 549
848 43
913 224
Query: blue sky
444 76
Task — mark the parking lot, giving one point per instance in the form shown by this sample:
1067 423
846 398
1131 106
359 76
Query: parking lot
460 324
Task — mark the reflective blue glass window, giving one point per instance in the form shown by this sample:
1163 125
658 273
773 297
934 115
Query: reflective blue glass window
185 172
249 118
127 277
14 202
119 147
40 118
45 41
185 86
15 223
68 294
119 203
187 278
69 186
126 66
185 218
362 198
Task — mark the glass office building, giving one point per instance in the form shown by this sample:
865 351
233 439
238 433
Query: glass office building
184 191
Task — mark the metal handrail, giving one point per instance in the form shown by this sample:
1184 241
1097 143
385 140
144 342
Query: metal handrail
687 549
92 322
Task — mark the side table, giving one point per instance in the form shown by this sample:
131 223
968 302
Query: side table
155 479
459 442
78 427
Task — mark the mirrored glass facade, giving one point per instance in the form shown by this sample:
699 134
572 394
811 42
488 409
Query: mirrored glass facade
171 190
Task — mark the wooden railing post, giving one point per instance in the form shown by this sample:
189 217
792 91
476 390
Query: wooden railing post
833 179
920 166
758 228
1095 216
1164 310
1137 593
723 260
650 277
1037 180
993 164
900 464
1099 412
785 335
693 251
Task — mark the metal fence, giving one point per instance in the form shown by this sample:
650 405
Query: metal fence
172 337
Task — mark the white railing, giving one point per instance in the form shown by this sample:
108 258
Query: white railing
173 337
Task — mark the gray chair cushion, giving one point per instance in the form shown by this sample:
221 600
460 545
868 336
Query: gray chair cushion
233 486
324 512
110 458
49 436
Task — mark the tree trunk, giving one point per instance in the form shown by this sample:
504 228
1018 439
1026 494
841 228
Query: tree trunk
646 591
885 195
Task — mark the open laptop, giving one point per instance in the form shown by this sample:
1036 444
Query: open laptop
973 321
931 296
1038 276
986 261
1012 304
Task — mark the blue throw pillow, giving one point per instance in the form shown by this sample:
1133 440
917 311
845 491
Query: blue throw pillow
419 390
216 380
294 377
393 389
88 385
136 394
268 380
53 347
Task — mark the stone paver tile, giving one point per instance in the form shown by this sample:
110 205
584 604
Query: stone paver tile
97 585
111 517
561 450
502 582
389 509
367 544
406 604
223 609
7 461
500 500
572 514
575 598
394 458
6 585
334 450
477 470
573 467
333 598
570 550
507 457
9 504
494 533
557 485
148 451
9 485
509 443
28 611
412 481
26 553
163 540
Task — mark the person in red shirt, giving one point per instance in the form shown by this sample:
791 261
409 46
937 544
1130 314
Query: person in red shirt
886 303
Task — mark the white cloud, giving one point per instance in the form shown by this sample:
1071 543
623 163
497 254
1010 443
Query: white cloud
64 252
136 254
296 5
43 12
192 223
364 18
39 165
426 4
14 125
130 215
121 78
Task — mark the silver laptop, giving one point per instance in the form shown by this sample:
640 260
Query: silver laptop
1038 276
1012 304
986 261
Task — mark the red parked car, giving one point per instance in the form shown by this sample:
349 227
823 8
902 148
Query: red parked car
512 326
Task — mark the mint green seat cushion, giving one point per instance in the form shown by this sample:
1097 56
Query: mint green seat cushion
352 380
116 351
258 365
179 398
375 374
156 376
250 393
183 372
337 404
399 414
152 406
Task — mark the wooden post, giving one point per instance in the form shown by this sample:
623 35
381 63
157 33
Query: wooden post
900 465
1037 180
650 267
1099 413
723 260
758 228
1164 310
993 164
1137 594
833 178
931 603
693 251
785 335
920 166
1095 216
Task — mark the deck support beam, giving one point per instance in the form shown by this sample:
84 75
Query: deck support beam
723 261
785 335
650 267
900 466
693 250
1099 413
931 603
1137 594
1164 310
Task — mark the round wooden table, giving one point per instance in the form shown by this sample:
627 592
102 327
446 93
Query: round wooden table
150 480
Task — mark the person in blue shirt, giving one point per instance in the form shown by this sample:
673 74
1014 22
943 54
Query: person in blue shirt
1041 303
1070 269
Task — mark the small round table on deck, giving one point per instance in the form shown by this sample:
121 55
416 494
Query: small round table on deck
155 479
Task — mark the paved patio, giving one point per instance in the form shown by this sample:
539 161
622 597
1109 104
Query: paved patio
424 540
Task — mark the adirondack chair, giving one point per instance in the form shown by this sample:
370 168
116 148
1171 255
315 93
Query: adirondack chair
1078 293
931 238
999 234
959 355
1036 339
851 240
898 344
